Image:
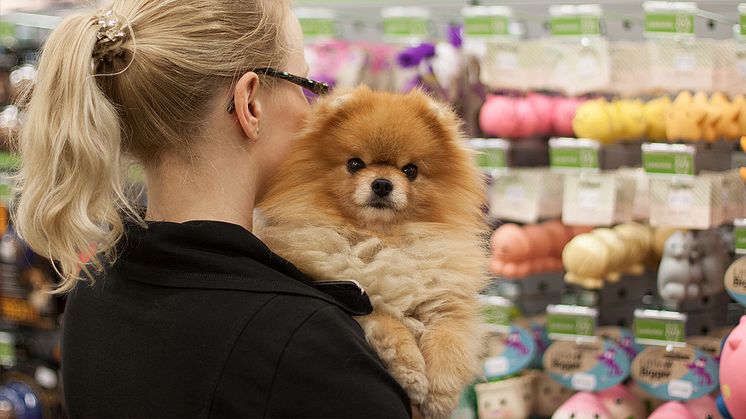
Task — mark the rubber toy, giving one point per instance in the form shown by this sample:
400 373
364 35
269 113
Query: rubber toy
512 249
593 120
714 259
672 410
732 377
727 126
550 395
631 119
655 117
559 238
544 108
704 408
712 116
658 244
684 120
621 403
563 115
650 402
582 406
586 260
507 399
637 238
677 277
527 120
498 117
541 248
618 253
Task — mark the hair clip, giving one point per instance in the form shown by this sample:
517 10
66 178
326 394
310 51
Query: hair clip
109 30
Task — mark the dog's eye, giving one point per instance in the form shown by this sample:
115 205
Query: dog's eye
355 165
410 171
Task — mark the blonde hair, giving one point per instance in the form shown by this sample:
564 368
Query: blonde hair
139 97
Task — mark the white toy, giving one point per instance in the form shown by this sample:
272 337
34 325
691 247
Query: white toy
680 274
507 399
715 258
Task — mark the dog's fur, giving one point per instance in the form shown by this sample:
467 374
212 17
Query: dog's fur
421 260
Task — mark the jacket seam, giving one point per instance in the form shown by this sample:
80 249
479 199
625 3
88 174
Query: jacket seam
230 353
282 356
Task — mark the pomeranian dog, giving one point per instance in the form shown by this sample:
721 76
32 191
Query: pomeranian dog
380 189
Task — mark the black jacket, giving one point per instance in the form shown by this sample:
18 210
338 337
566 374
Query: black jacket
201 320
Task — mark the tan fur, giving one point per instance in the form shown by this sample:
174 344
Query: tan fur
422 263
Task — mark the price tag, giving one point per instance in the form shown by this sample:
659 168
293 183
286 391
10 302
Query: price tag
507 60
514 196
740 236
685 62
668 159
317 23
7 350
660 328
681 203
625 197
487 22
508 352
587 366
669 19
735 280
497 312
571 322
406 24
492 154
589 199
572 155
575 20
675 374
742 21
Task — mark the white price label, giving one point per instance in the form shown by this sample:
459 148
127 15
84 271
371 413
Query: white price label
507 61
514 196
680 389
515 193
583 382
496 366
589 199
682 203
685 62
680 199
587 67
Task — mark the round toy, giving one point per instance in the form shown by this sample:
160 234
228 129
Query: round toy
498 117
732 377
582 406
543 107
527 120
672 410
618 252
563 115
621 403
593 120
586 260
655 117
542 248
512 248
704 408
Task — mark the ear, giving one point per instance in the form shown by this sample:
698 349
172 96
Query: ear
248 109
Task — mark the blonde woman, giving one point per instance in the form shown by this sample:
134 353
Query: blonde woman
185 313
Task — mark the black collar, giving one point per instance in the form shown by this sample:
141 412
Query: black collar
218 255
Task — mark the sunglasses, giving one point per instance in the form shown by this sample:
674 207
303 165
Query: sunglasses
316 87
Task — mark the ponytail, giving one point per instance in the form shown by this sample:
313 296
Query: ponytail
71 192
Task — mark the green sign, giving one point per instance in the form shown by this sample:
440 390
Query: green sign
571 322
7 30
575 25
663 329
742 22
668 163
416 27
318 27
492 158
669 23
7 350
580 158
497 315
486 26
740 238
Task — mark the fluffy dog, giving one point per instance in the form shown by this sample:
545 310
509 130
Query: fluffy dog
379 188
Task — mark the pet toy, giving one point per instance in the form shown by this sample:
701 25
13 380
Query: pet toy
704 408
637 241
544 108
655 116
621 403
712 116
550 395
527 119
618 253
512 249
498 117
582 406
631 119
593 120
586 260
732 377
727 126
507 399
679 274
672 410
563 115
714 259
685 118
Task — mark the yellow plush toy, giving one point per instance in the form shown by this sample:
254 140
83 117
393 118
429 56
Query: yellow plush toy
631 119
728 126
618 252
655 117
684 119
709 130
593 120
586 260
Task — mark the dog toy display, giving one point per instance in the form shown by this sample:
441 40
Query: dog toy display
368 194
519 117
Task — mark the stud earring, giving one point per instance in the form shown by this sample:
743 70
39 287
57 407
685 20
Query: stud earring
257 131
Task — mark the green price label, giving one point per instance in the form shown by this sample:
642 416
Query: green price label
574 158
562 325
740 236
318 27
417 27
486 26
575 26
492 158
660 331
659 23
742 22
661 163
497 315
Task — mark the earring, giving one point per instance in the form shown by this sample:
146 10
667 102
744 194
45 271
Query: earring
257 131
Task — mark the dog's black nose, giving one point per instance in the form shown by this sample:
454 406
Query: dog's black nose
382 187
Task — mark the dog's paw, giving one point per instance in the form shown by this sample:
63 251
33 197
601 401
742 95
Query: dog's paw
415 383
438 406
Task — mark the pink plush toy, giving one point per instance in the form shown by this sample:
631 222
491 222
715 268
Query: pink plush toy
704 408
559 238
544 108
672 410
732 377
621 403
541 257
512 248
564 113
526 118
582 406
498 117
